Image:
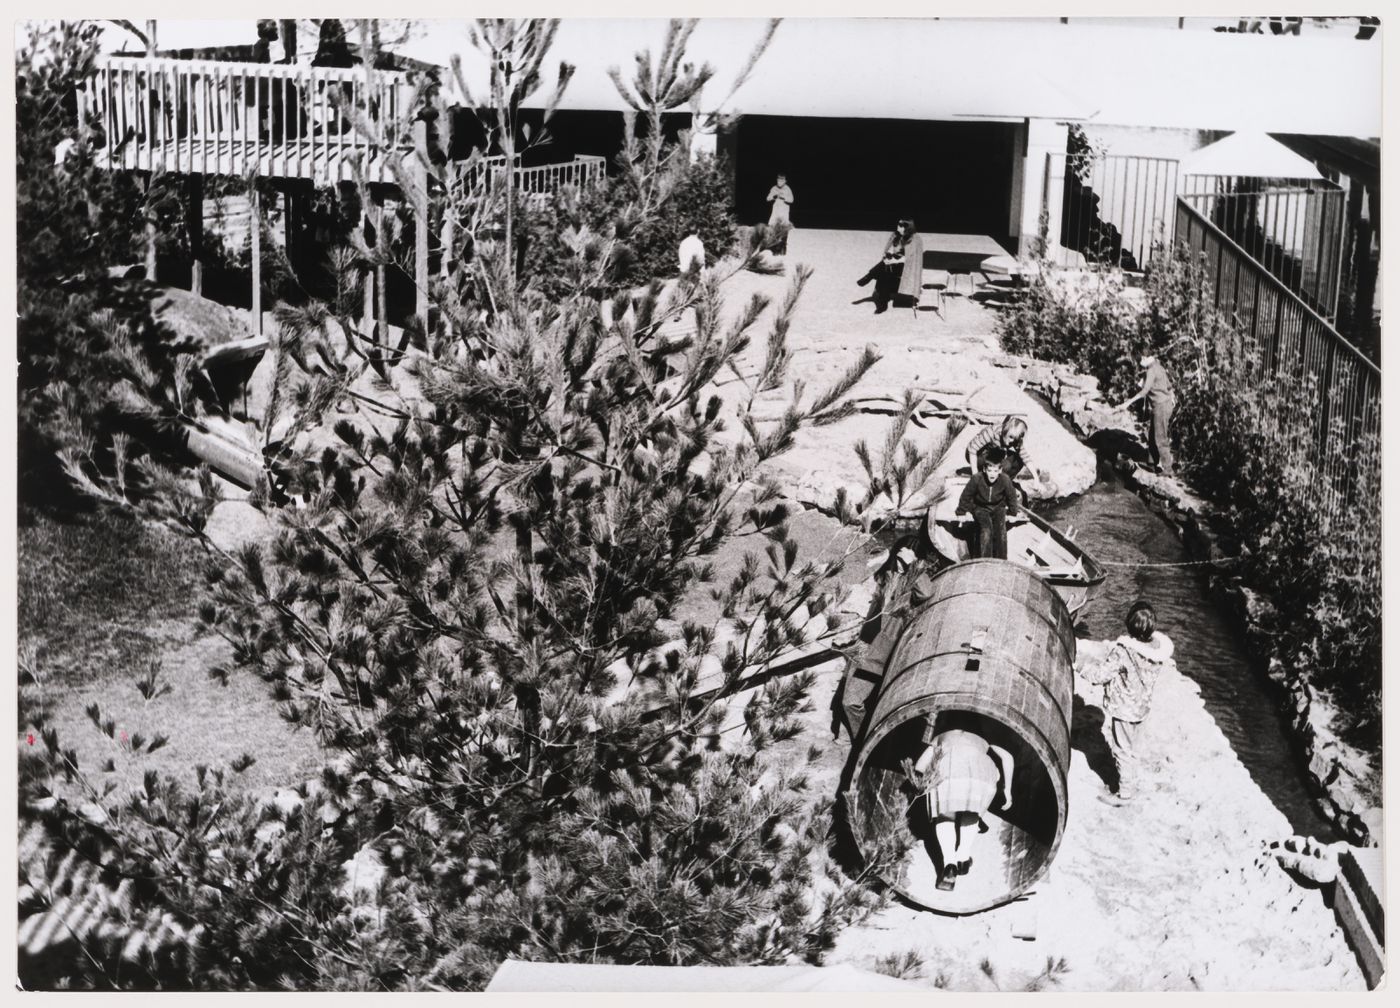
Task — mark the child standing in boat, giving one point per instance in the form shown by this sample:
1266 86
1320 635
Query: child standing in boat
990 497
1128 673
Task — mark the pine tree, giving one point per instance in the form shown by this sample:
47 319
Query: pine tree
480 605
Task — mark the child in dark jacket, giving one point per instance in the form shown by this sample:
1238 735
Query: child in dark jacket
990 496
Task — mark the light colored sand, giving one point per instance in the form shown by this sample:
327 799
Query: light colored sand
1167 894
949 351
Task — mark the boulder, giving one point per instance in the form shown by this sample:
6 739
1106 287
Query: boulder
197 321
819 490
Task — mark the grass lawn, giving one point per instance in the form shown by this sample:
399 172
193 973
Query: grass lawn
102 600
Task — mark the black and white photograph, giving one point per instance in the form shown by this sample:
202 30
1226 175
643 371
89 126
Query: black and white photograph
857 503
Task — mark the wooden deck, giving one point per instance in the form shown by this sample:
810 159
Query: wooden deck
323 162
201 117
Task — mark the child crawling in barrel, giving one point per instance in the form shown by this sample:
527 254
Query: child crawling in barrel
962 775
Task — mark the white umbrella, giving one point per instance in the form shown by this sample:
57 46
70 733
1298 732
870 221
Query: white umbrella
1256 155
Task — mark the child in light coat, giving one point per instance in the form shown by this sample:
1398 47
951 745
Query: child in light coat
1128 672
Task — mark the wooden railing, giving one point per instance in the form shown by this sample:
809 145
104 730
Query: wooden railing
208 117
1338 388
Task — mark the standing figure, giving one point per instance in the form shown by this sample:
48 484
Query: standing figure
900 271
778 220
1010 437
691 253
1161 401
965 773
1128 673
990 496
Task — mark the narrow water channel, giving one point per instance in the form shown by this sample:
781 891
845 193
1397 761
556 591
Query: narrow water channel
1115 526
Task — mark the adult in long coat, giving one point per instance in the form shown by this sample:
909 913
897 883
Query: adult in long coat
899 275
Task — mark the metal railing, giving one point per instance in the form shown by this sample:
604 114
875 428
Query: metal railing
1115 208
541 181
1294 227
216 118
1338 389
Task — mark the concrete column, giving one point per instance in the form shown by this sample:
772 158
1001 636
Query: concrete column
1018 180
1042 181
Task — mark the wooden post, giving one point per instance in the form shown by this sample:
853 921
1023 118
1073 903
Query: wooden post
421 223
367 314
291 205
381 285
150 233
255 238
194 230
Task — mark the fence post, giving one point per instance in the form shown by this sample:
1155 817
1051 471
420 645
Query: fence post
421 222
194 230
255 242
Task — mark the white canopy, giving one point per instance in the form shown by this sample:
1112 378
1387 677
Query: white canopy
948 68
1256 155
1322 83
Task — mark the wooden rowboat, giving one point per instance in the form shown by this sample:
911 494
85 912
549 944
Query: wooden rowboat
1031 541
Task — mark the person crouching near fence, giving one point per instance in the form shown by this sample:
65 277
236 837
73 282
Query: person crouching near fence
990 497
1161 403
1128 671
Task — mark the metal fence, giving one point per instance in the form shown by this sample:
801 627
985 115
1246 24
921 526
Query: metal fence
1337 388
1115 207
1294 227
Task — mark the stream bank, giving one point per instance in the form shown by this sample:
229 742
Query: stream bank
1343 779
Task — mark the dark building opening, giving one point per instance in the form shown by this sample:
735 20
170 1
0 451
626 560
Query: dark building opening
952 177
571 132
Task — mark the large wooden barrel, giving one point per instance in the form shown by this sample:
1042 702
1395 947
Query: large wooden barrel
991 647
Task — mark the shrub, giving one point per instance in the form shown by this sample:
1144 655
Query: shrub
90 354
1085 321
500 531
1244 437
702 202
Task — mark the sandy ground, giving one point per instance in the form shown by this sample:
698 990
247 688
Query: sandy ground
948 350
1169 893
